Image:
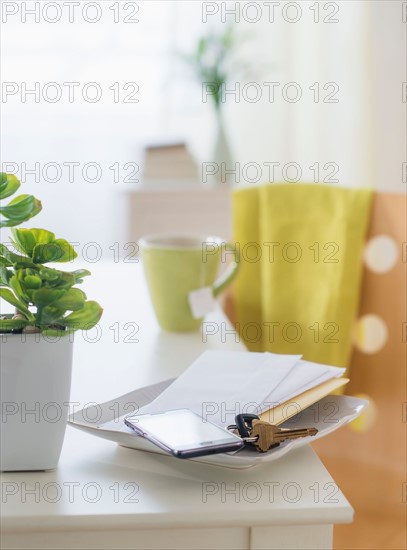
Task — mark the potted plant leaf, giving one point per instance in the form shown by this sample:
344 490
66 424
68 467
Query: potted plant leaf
36 341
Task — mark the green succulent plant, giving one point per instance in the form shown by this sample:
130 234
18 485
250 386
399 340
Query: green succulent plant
44 297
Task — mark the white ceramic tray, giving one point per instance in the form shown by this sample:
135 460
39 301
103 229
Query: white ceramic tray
106 420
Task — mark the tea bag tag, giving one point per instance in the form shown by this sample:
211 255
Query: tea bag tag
201 301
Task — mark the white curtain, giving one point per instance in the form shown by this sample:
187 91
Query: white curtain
361 139
349 128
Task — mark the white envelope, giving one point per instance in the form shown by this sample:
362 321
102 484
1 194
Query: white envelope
221 384
304 376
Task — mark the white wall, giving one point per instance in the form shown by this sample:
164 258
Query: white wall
107 132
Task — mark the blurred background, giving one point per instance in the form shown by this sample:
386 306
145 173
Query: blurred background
318 96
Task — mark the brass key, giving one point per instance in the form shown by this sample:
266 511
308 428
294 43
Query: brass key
270 436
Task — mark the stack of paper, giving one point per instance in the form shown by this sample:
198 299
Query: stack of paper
221 384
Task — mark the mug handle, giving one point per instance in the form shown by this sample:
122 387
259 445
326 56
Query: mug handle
227 277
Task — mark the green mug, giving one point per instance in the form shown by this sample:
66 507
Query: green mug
175 266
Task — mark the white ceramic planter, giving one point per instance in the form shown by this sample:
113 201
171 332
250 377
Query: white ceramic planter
35 388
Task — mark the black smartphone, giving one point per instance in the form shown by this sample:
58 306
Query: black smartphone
184 433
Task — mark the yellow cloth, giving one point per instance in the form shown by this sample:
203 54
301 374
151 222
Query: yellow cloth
297 290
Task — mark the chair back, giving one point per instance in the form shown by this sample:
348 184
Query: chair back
368 459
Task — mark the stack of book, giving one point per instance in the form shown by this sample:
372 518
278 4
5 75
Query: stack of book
169 162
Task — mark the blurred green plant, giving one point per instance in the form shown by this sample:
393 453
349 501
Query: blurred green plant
45 298
214 61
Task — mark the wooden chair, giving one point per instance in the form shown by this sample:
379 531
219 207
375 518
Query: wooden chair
370 465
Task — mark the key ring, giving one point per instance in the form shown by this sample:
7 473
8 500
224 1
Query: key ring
244 425
263 435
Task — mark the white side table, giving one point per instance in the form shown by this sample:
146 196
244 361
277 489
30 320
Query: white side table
106 496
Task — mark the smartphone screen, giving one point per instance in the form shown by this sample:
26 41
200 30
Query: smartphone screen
184 433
